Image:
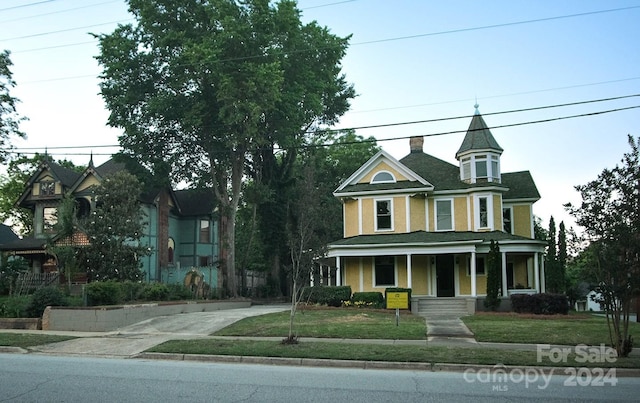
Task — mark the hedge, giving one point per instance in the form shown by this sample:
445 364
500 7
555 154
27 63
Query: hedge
540 304
326 295
373 297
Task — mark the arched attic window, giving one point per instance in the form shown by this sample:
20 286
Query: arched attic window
383 177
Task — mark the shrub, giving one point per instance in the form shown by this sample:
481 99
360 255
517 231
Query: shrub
155 292
42 298
130 290
107 292
372 299
397 289
540 304
15 306
179 292
326 295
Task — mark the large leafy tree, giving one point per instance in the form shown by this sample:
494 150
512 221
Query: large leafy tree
115 228
206 88
9 118
610 215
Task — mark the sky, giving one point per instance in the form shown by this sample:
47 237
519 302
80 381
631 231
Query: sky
409 61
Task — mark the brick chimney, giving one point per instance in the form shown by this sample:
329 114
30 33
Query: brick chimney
415 144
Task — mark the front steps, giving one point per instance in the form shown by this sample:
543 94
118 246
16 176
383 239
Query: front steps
452 307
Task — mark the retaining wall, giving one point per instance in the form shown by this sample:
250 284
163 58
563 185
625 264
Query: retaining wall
104 319
20 323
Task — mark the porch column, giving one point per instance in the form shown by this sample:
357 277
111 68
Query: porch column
473 274
504 274
536 272
409 275
338 274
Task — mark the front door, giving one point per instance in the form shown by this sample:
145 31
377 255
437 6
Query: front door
445 281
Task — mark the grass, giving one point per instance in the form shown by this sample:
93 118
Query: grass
373 352
342 323
568 330
25 340
362 323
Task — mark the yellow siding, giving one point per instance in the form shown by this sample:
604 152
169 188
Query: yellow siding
401 268
367 264
367 216
431 207
481 285
382 166
418 219
497 213
88 182
352 273
419 275
399 214
351 218
522 220
465 281
460 214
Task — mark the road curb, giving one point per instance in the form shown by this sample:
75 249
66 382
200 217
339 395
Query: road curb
412 366
13 350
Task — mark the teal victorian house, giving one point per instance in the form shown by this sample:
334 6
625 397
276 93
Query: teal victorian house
181 227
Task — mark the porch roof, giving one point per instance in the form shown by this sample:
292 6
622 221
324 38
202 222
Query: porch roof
433 242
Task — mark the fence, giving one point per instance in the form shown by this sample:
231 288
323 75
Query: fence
28 282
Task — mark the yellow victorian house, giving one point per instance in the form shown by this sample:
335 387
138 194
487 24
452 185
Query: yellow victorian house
426 224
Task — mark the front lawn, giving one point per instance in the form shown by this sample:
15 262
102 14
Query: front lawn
342 323
25 340
568 330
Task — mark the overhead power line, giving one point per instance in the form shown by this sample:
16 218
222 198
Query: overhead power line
28 150
27 5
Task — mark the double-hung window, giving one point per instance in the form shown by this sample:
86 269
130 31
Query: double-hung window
444 215
384 221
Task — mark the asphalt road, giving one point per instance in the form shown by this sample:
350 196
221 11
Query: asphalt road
43 378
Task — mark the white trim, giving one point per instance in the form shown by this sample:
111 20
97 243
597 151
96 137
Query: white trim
472 265
426 214
408 213
338 272
359 217
503 263
469 200
375 215
409 271
361 274
373 193
382 156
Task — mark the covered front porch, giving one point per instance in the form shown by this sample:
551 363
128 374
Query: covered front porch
451 268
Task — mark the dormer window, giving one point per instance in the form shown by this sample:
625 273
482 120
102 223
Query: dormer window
480 168
383 177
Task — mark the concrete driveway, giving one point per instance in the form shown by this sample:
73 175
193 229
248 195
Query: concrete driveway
134 339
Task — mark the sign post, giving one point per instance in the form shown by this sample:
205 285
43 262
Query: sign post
397 301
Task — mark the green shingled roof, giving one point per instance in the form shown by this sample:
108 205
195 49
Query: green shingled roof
478 137
428 238
521 186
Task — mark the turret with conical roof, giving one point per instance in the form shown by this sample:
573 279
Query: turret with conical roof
479 154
